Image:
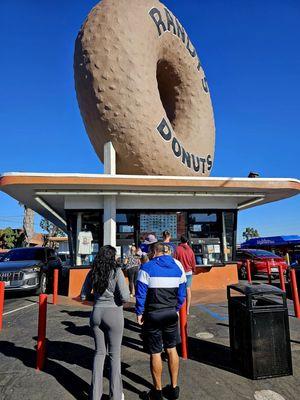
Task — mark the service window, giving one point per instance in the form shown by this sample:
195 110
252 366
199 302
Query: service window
204 225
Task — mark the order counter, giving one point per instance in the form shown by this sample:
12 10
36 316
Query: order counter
206 277
214 277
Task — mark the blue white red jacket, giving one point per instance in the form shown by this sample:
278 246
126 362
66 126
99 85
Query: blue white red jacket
161 284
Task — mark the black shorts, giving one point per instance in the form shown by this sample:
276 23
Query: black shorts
160 330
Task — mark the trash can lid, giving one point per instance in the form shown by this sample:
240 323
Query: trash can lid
255 288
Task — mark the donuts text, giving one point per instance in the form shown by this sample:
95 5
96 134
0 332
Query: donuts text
198 164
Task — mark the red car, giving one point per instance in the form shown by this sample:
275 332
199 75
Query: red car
258 263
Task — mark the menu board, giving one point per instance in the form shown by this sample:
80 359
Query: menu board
157 223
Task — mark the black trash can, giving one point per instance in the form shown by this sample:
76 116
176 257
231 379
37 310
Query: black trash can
259 330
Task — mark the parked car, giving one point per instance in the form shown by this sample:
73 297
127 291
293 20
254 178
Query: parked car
258 263
2 255
29 268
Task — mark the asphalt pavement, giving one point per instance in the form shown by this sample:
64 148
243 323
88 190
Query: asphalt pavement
208 373
15 302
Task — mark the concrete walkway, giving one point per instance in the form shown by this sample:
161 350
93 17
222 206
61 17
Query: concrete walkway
208 374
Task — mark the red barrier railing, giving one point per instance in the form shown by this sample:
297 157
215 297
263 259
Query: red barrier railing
248 268
295 294
269 273
281 278
2 288
55 286
41 342
183 331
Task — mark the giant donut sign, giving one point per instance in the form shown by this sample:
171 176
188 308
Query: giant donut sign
140 85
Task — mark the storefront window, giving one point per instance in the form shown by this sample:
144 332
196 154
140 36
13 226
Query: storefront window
126 223
92 222
228 234
156 222
204 225
211 233
204 232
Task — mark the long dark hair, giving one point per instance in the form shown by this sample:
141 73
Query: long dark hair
103 264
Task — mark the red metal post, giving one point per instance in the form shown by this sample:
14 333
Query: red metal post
248 271
281 277
55 286
269 272
295 292
183 331
41 342
2 286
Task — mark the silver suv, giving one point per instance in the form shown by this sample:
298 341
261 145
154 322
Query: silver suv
29 268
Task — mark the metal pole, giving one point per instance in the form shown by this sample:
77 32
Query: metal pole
2 288
295 292
183 330
41 342
269 272
55 285
78 229
248 271
281 277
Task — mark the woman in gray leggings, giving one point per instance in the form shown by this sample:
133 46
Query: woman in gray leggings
107 320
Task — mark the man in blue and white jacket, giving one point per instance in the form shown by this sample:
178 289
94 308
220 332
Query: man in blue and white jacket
160 293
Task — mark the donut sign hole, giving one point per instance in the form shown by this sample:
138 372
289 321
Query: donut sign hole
168 81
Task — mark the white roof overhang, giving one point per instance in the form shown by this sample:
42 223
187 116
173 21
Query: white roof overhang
47 194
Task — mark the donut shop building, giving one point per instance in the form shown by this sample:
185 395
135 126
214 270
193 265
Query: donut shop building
123 209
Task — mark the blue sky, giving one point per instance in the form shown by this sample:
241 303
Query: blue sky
249 51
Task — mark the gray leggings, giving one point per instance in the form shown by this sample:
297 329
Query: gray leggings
107 324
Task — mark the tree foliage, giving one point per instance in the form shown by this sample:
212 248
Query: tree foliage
52 229
10 238
250 233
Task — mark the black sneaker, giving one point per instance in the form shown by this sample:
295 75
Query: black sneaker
171 393
153 395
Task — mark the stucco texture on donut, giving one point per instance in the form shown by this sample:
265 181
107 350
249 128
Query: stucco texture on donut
140 85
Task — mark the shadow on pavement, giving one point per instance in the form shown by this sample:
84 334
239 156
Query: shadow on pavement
82 330
221 324
132 326
79 314
214 354
76 386
20 294
74 354
133 343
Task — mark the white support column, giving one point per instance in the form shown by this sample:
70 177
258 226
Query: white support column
109 218
109 159
225 250
110 202
78 229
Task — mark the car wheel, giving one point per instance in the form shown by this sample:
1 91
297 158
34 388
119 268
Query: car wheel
43 284
243 272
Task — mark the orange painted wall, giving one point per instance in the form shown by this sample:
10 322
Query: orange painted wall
214 278
76 279
210 278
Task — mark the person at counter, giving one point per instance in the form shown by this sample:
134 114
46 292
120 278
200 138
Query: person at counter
186 256
144 246
132 265
167 240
